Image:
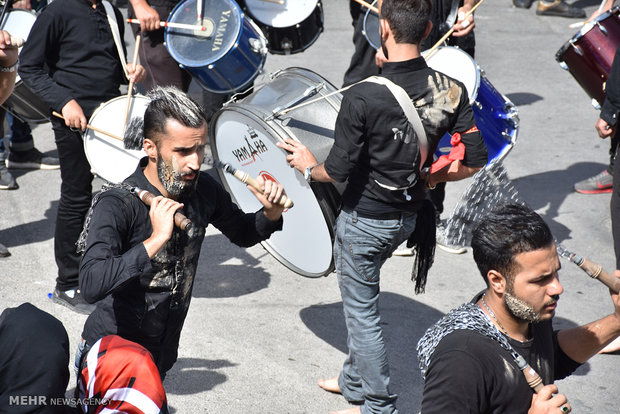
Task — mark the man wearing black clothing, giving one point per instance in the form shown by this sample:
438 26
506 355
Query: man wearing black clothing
136 263
467 357
374 149
72 63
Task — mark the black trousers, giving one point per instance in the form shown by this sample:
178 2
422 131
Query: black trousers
75 196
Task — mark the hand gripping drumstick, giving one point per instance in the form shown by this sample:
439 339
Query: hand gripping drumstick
533 379
180 220
246 179
186 26
101 131
131 82
368 6
449 32
16 41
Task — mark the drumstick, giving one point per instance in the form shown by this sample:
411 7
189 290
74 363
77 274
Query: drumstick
180 220
533 379
132 81
16 41
596 271
449 32
199 11
368 6
246 179
174 25
101 131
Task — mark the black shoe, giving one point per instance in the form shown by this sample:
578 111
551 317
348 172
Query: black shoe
32 159
73 300
559 8
4 252
522 4
7 181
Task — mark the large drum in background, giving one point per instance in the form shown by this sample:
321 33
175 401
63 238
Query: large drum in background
245 134
22 103
291 26
225 58
108 157
588 55
496 117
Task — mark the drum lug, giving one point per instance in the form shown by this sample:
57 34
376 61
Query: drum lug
257 46
602 28
563 65
478 105
577 49
595 104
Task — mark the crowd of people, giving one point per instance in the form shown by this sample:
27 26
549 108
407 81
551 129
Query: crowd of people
133 269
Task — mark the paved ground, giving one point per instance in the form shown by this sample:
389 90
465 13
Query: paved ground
258 335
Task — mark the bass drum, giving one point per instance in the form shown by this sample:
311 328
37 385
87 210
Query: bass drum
588 55
108 157
22 103
290 27
244 134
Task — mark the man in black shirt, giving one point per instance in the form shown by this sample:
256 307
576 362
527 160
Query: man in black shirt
72 63
373 147
136 263
468 358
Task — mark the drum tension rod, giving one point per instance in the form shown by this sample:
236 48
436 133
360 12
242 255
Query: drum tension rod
308 93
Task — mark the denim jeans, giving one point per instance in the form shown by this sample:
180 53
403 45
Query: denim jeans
361 247
75 196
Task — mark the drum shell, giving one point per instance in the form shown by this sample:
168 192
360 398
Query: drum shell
589 54
234 71
312 125
296 38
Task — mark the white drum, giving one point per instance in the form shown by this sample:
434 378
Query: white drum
245 134
108 157
458 65
274 14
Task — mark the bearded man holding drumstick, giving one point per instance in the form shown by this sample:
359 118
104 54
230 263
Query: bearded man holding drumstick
72 63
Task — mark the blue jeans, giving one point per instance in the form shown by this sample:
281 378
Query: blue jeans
361 247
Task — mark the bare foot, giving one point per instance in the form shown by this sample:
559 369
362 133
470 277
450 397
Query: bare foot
355 410
612 347
330 385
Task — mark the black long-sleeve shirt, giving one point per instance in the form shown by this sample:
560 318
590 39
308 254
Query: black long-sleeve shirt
146 300
611 106
70 54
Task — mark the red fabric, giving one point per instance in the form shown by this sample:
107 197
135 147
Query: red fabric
457 153
125 371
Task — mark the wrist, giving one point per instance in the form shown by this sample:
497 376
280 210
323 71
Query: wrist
5 67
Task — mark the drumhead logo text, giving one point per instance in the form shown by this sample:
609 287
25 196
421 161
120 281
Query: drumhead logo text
254 146
221 29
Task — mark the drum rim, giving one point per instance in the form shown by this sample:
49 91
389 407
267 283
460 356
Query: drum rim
368 11
96 111
173 53
252 16
584 31
310 43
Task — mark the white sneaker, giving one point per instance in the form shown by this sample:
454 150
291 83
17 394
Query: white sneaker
403 250
442 242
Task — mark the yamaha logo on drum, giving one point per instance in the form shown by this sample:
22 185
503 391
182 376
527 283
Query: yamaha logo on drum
253 147
221 29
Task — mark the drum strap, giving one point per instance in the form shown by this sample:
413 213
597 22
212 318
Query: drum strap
409 109
109 11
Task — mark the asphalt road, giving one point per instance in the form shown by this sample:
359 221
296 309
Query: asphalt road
258 336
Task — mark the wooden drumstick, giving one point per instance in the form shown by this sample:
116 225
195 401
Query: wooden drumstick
16 41
449 32
132 81
101 131
596 271
368 6
533 379
180 220
186 26
246 179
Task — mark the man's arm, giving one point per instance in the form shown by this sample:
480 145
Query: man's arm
583 342
453 172
606 124
8 58
148 16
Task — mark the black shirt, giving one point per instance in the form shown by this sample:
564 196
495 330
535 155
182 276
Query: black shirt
611 106
365 144
146 300
70 54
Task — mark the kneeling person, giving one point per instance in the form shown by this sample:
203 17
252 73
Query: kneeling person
136 263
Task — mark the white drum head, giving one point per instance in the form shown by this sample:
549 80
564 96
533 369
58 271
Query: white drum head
457 64
107 156
289 13
305 243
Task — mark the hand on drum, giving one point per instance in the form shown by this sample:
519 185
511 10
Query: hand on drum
300 156
272 193
148 16
73 115
136 74
548 402
463 25
8 54
603 128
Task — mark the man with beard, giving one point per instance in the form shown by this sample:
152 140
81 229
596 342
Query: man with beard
137 265
468 357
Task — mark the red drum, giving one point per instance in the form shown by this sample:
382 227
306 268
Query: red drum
589 54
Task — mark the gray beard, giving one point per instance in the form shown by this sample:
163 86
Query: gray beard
172 181
520 309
